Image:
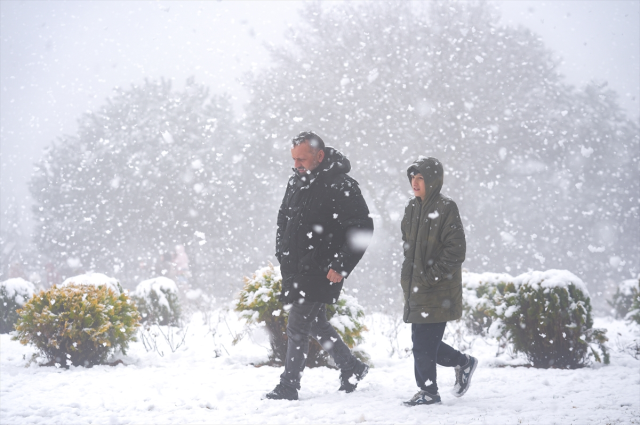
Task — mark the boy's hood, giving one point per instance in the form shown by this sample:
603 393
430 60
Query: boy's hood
433 174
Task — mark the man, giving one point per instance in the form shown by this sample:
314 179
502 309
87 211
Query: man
323 230
431 279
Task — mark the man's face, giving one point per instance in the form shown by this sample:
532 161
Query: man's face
417 184
305 158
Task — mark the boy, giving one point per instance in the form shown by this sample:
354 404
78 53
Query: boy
431 279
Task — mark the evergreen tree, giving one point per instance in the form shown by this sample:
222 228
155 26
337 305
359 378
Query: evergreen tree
151 169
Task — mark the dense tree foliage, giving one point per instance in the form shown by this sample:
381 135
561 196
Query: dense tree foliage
150 170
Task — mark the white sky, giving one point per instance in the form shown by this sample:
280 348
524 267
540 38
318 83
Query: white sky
597 40
59 59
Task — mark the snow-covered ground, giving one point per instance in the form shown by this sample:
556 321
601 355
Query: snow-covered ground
196 385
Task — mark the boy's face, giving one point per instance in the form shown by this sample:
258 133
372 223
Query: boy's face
417 184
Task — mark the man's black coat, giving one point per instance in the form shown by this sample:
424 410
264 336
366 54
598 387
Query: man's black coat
323 223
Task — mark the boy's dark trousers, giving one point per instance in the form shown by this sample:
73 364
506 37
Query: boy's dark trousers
428 349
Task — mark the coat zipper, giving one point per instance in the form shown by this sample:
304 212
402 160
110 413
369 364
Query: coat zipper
413 260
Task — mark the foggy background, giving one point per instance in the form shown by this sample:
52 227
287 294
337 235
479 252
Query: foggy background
60 60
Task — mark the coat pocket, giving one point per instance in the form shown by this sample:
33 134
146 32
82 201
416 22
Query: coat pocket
433 298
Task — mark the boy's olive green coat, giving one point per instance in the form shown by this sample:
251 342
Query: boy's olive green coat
434 249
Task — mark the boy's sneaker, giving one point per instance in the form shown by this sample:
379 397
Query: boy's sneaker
349 378
423 397
282 392
463 376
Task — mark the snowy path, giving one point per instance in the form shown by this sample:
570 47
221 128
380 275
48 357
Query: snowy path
192 386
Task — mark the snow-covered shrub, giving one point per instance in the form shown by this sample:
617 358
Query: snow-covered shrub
94 279
13 294
158 301
346 317
481 292
547 316
627 291
634 310
258 303
78 324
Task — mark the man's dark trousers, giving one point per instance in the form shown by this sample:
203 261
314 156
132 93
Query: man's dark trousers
428 349
305 320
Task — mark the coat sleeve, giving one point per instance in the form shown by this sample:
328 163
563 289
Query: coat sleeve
353 215
454 247
282 224
404 224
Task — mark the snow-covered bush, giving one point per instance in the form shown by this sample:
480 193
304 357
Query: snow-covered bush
626 293
547 316
78 324
94 279
13 294
481 292
158 302
347 317
258 303
634 310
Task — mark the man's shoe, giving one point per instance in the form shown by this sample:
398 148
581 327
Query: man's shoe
423 397
463 376
349 378
282 392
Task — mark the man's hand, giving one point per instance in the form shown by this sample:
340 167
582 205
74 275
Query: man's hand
334 276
